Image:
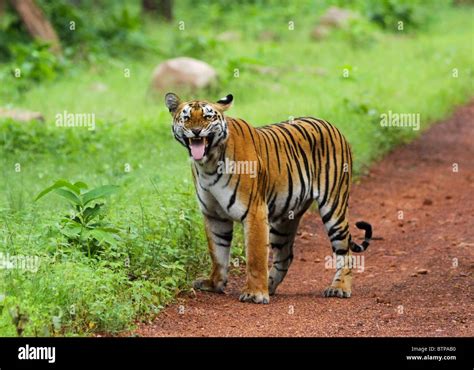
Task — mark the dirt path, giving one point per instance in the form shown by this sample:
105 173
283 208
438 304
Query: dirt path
389 298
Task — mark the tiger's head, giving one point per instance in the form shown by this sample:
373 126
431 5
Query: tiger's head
199 125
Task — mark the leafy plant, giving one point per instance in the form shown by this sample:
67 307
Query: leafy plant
387 13
360 32
85 226
197 46
35 61
31 135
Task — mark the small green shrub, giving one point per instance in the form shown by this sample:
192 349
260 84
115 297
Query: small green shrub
359 33
85 227
194 45
387 14
31 63
16 137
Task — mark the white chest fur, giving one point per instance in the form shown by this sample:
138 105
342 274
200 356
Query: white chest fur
217 195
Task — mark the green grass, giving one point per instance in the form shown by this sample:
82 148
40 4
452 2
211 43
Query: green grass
162 244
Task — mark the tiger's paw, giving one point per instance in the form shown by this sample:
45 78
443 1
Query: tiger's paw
254 297
338 292
208 285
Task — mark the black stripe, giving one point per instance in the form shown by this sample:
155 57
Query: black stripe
289 257
234 194
334 161
277 147
278 233
279 245
335 206
215 218
227 182
201 201
271 203
306 166
248 206
222 245
341 218
334 229
266 150
339 236
250 129
237 123
290 192
227 236
326 184
217 179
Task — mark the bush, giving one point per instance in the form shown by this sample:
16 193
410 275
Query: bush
359 33
74 293
35 61
85 226
414 14
104 27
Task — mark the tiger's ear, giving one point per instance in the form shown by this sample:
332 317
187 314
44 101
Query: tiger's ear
226 102
172 101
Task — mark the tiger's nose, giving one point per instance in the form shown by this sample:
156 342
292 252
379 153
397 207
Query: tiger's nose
196 131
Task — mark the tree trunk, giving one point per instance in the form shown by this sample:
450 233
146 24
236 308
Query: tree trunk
166 9
36 22
150 6
161 7
3 4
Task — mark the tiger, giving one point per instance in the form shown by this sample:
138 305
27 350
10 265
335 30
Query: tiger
266 178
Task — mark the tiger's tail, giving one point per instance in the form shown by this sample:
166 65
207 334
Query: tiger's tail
357 248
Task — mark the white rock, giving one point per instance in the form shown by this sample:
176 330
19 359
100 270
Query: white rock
319 32
20 115
183 74
228 36
336 17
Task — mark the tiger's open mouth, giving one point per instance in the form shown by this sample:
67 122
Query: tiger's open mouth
198 147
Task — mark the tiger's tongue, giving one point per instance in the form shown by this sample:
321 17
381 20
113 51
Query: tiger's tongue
197 149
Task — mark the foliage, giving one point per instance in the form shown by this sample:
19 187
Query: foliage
360 33
415 14
33 62
11 32
111 27
388 13
85 226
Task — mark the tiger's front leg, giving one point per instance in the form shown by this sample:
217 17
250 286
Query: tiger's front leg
256 242
219 239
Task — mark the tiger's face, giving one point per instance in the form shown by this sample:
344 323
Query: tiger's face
198 125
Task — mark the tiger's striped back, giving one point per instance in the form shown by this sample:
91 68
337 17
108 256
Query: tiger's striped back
299 161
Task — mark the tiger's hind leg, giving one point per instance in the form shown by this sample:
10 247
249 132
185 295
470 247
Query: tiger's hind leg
337 228
282 237
341 285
